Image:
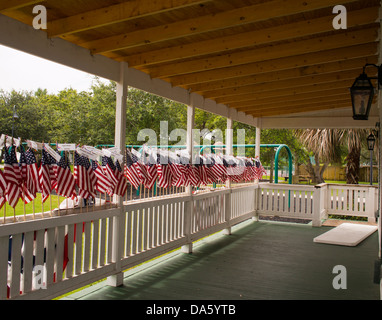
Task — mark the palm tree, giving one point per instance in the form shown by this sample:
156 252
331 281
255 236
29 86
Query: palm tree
326 145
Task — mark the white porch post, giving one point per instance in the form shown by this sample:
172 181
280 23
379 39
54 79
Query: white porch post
188 207
257 148
120 142
257 190
257 145
229 152
229 143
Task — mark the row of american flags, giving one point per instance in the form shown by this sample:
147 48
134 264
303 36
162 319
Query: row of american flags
21 179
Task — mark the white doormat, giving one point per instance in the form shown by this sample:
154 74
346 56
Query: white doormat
346 234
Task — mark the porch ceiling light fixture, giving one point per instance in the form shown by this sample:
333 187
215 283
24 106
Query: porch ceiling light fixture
362 93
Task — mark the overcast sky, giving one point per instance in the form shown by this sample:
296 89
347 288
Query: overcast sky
21 71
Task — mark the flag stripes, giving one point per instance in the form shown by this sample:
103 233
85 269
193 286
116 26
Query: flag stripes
23 179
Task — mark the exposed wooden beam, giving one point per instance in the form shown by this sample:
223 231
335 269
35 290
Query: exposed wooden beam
295 99
246 39
114 14
291 75
327 78
298 110
337 40
304 60
210 22
16 4
275 92
314 102
301 121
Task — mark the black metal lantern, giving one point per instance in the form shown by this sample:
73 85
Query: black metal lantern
362 94
371 142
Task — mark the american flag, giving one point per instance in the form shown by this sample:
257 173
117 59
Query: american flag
130 170
121 186
26 195
32 184
259 169
12 176
164 172
66 184
45 176
210 170
193 176
202 173
176 172
152 171
3 188
102 183
109 170
219 170
84 176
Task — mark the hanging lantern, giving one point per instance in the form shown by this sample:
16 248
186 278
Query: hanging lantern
371 142
362 94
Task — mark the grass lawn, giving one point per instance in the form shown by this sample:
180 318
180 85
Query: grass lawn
52 202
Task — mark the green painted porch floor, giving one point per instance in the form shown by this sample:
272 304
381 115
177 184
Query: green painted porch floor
260 260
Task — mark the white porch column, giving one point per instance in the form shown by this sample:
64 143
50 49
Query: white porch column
257 147
257 142
188 207
229 143
120 142
229 152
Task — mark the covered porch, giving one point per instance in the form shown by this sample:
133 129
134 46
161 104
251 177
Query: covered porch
259 260
267 64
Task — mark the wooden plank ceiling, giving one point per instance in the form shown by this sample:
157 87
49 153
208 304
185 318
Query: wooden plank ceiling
265 58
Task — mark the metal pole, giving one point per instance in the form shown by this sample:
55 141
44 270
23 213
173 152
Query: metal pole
371 167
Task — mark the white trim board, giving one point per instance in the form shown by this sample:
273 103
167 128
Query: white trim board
346 234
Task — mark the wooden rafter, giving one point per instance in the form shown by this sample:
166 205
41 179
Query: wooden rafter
270 52
326 79
210 22
304 60
16 4
293 100
310 101
290 75
301 109
245 39
114 14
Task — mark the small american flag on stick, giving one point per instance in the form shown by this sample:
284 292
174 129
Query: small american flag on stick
26 195
33 184
102 183
66 184
12 176
130 170
121 186
84 176
45 176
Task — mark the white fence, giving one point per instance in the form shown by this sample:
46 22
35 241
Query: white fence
52 256
74 250
317 202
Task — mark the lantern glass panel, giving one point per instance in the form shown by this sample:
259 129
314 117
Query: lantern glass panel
362 93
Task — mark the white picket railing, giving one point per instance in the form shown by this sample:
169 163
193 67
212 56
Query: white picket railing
102 243
317 202
350 200
293 201
73 250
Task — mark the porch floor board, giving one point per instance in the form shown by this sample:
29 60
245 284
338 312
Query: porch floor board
260 260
